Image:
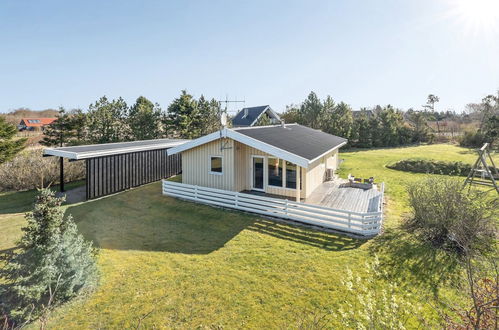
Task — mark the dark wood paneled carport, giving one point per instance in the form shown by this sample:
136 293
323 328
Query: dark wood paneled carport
114 167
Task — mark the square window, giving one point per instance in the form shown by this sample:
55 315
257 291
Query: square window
216 164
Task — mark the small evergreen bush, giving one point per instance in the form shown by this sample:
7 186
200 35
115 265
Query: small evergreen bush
54 263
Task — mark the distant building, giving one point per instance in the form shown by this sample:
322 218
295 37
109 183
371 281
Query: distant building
358 113
250 116
31 124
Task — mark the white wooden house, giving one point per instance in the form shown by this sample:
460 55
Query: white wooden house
286 160
279 171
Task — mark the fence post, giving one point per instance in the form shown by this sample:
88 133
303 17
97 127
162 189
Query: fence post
196 192
236 199
349 219
286 207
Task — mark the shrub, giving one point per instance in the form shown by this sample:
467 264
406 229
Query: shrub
472 139
432 167
375 306
29 170
451 218
54 263
481 285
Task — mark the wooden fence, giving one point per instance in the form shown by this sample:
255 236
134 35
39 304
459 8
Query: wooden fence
365 224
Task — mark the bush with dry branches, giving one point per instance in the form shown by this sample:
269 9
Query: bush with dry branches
30 170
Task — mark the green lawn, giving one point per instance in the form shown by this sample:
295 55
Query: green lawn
185 265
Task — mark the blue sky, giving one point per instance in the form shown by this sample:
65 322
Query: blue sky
69 53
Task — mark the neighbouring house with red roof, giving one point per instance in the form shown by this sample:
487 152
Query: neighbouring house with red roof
31 124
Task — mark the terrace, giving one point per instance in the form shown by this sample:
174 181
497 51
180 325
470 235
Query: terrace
334 204
340 194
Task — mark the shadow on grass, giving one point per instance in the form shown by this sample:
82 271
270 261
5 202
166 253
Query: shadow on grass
6 253
320 239
144 220
22 201
468 151
414 263
166 226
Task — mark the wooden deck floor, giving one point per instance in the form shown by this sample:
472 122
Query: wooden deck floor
336 195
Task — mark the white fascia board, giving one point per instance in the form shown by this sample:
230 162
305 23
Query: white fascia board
277 152
268 108
60 153
274 113
197 142
330 150
265 147
261 113
101 153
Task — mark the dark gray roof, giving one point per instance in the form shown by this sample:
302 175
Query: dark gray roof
247 116
105 149
297 139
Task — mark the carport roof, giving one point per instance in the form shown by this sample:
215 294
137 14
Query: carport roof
107 149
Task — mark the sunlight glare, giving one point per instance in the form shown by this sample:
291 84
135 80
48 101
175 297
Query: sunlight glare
479 17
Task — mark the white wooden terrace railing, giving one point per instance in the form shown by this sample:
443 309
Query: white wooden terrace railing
366 224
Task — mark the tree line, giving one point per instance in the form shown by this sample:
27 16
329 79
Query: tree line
379 127
386 126
487 115
187 117
108 121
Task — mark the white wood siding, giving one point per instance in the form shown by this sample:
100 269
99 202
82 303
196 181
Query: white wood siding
237 169
244 174
316 172
196 165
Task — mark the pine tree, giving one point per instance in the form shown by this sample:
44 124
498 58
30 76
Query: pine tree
9 146
292 114
79 125
363 131
209 111
340 121
59 132
54 264
264 120
107 121
144 119
183 117
311 111
418 120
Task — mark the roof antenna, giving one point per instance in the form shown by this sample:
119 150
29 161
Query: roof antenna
223 119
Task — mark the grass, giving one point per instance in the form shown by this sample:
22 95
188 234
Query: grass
178 264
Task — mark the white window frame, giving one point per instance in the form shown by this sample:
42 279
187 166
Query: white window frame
222 159
264 173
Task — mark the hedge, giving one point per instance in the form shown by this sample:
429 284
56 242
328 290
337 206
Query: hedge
431 167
